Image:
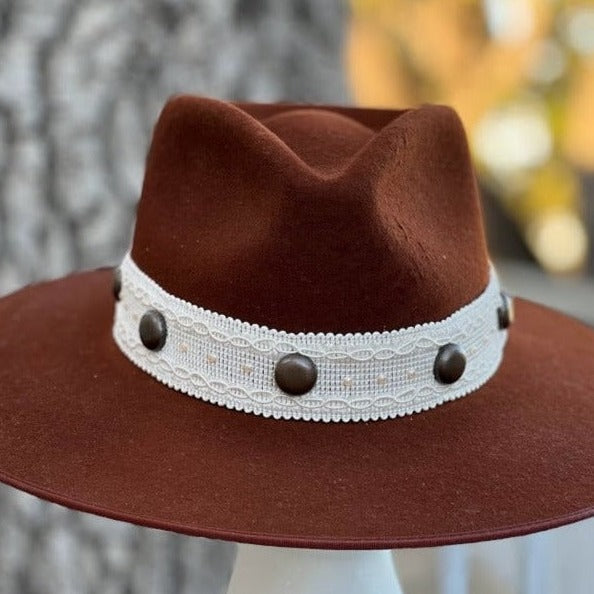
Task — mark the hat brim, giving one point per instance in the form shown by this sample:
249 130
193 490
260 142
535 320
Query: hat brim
83 427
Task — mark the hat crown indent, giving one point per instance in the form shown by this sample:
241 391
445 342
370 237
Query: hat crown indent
312 219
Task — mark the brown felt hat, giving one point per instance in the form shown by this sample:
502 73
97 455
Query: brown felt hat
306 346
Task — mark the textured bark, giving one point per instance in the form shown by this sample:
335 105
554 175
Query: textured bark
81 83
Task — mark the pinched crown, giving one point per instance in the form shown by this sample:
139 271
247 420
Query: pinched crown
312 219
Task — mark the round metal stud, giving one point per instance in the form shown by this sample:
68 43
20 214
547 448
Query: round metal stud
295 374
117 283
449 364
153 330
505 313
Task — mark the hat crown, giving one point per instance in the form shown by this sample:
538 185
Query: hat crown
312 219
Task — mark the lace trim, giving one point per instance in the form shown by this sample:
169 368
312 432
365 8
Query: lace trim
361 377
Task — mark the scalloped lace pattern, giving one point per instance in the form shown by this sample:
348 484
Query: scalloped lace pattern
361 377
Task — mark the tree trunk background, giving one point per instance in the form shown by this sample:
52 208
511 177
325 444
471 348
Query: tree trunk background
81 84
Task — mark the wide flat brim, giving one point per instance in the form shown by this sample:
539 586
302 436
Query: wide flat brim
83 427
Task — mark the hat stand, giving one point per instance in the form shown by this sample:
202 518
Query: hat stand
275 570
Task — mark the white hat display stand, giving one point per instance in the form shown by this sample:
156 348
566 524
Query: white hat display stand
277 570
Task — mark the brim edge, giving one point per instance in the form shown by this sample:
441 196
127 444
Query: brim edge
301 542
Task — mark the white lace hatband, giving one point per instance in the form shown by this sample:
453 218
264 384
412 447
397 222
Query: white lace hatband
359 377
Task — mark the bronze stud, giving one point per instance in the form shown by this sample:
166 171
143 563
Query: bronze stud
505 313
153 330
295 374
117 283
449 364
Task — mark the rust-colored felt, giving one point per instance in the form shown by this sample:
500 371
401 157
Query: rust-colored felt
322 220
82 426
301 219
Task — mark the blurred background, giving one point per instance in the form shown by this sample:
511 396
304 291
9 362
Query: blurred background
81 84
521 75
